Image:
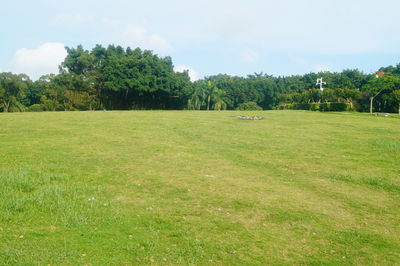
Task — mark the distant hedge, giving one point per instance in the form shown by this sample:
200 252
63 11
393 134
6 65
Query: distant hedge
36 108
249 106
322 107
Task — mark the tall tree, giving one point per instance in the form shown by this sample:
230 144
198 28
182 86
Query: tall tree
12 91
382 83
396 98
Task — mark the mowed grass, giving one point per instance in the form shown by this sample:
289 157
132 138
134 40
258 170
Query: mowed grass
181 187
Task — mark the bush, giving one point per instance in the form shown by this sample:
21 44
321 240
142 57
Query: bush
335 107
339 107
249 106
323 107
17 107
36 108
299 106
314 106
283 106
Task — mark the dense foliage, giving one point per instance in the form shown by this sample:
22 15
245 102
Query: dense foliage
249 106
323 107
115 78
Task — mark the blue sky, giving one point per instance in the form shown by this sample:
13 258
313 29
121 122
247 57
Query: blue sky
208 37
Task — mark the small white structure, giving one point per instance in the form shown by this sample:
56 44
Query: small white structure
321 83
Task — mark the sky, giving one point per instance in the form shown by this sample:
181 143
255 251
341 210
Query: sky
284 37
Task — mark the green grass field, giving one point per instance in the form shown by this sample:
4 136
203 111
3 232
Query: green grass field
181 187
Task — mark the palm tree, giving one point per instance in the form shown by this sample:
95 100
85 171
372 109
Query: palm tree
197 98
217 96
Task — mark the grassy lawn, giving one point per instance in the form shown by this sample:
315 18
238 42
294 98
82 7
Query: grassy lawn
180 187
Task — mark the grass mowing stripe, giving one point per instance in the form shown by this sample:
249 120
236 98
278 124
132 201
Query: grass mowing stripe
374 182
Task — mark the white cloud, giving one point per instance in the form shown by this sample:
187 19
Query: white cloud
43 60
192 74
115 31
137 36
250 56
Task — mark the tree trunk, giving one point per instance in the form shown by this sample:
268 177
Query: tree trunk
6 106
370 104
208 103
399 108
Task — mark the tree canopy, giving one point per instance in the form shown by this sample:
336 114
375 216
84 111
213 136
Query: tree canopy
117 78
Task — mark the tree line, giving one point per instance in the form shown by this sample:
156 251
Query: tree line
117 78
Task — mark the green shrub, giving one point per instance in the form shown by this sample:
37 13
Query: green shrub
283 106
299 106
314 106
36 108
15 108
339 107
251 106
334 107
323 107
